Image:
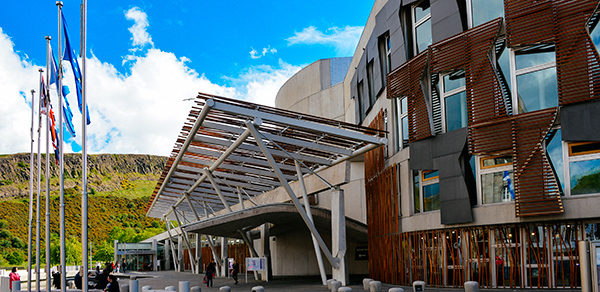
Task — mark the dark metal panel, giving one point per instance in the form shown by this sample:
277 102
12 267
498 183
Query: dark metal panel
445 20
453 188
456 212
581 122
450 143
421 154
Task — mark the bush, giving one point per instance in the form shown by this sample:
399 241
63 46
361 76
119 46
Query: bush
5 234
15 258
103 209
22 164
5 182
17 242
3 224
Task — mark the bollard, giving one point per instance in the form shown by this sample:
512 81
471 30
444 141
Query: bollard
147 287
184 286
258 289
125 287
225 289
329 283
375 286
134 286
418 286
344 289
335 285
170 288
196 289
71 284
16 286
366 282
396 290
471 286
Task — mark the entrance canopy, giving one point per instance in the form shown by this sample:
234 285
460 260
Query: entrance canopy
230 151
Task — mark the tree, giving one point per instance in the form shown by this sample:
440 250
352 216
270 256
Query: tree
16 257
104 252
72 251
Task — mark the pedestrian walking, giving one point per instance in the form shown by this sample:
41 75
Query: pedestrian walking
14 276
210 273
235 271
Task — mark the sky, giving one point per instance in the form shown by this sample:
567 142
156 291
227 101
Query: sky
146 59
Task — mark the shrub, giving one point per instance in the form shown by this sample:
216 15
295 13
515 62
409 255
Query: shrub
15 258
5 234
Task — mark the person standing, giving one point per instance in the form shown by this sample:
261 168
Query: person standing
158 265
210 272
14 276
113 284
235 271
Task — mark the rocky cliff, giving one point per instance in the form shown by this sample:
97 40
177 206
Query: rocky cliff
106 172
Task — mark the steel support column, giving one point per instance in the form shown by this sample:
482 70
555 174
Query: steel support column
288 189
187 241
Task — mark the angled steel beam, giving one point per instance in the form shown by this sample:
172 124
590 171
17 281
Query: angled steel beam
232 188
187 240
208 105
216 187
215 165
187 197
248 242
239 191
295 122
262 172
255 187
263 181
283 139
290 192
175 258
211 243
308 212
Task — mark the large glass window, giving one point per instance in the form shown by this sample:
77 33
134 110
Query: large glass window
534 74
555 155
421 17
496 179
427 191
584 168
482 11
454 96
402 122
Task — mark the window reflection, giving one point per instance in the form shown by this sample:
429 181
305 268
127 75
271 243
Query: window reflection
585 177
537 90
486 10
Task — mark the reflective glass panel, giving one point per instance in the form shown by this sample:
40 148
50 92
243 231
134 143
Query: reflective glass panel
486 10
430 174
416 192
497 187
403 105
585 177
595 34
453 82
405 130
456 111
504 63
533 58
431 197
421 10
493 161
555 154
537 90
423 35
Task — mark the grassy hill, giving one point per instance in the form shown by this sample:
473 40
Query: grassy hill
119 188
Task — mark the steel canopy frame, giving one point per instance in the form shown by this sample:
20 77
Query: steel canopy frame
244 147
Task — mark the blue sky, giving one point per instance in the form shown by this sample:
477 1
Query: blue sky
146 57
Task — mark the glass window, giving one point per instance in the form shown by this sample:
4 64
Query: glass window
402 122
421 25
555 155
497 181
482 11
535 78
371 83
454 101
584 168
385 56
594 30
427 183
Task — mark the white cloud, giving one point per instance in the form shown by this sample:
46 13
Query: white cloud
260 84
255 55
17 78
344 40
139 36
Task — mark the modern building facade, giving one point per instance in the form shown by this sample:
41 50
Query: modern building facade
492 169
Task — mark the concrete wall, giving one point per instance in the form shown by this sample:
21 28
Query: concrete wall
293 254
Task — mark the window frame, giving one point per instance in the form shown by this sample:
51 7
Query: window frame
470 13
385 56
444 94
399 127
514 73
568 157
422 184
416 23
481 170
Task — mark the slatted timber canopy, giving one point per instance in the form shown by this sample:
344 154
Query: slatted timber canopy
217 159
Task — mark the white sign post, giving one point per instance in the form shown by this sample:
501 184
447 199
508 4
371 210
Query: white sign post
256 264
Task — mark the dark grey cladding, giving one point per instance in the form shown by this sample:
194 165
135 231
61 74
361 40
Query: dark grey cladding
446 20
581 122
448 154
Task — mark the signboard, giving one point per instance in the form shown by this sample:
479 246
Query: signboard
256 264
230 263
361 253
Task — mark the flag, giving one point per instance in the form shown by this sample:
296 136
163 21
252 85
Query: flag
69 55
47 110
67 113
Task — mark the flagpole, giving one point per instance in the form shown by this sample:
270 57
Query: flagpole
48 105
30 195
84 195
39 187
63 269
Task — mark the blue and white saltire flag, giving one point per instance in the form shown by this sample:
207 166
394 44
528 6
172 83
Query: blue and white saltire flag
67 113
69 55
511 188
